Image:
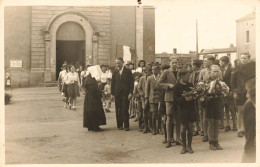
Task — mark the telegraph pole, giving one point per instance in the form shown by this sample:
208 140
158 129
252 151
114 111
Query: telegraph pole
197 49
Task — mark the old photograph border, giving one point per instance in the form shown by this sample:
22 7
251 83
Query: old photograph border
6 3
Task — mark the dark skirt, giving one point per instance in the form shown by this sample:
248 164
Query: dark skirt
73 90
214 107
94 114
186 112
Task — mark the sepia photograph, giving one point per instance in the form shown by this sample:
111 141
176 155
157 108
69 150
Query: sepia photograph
129 82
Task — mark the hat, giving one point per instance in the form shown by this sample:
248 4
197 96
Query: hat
248 71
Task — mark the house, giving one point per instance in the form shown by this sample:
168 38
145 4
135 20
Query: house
184 58
231 52
246 35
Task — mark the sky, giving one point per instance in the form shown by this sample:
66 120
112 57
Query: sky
175 23
175 20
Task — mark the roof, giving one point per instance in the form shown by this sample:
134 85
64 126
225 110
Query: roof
247 17
220 50
175 55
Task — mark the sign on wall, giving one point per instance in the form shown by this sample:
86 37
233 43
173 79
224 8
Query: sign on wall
16 63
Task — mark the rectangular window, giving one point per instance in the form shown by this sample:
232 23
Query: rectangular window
247 36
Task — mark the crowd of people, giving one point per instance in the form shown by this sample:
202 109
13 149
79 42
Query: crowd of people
165 99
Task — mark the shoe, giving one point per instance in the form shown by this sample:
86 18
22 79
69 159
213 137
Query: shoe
202 133
145 131
212 147
227 128
73 108
69 107
179 142
189 150
168 144
195 133
131 116
240 134
126 129
136 119
183 150
218 146
120 128
205 139
99 129
164 141
160 132
173 141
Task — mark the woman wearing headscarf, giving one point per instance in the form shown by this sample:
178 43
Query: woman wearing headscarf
93 115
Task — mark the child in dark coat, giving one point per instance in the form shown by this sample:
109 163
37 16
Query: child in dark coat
186 107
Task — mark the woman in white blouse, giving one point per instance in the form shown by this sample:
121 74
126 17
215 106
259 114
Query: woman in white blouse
141 66
73 87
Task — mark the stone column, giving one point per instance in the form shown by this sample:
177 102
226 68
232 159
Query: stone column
95 49
47 70
139 32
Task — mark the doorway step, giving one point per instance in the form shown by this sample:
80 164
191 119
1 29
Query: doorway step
48 84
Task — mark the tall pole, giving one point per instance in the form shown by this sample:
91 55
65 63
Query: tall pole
197 49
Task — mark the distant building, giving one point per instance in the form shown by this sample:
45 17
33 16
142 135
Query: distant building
38 39
246 35
184 58
231 52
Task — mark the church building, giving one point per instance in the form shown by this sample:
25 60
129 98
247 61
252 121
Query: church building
38 39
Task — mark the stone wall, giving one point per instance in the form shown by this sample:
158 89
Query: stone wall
242 45
122 28
17 32
149 33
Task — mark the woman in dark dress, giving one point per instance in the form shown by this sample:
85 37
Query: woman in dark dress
94 115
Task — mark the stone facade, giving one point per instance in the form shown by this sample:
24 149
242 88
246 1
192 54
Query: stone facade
246 27
31 35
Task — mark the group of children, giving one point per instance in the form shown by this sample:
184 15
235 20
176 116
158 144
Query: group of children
160 101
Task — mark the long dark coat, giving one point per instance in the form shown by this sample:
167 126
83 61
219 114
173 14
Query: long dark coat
93 115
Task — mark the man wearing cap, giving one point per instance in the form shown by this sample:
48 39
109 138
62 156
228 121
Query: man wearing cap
249 110
122 86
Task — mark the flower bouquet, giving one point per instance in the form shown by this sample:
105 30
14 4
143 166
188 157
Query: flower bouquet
190 95
201 89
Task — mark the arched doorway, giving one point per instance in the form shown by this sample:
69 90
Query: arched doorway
70 45
50 41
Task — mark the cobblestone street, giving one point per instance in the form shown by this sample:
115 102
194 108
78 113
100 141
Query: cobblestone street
40 130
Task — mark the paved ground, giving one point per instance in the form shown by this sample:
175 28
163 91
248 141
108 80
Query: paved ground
40 130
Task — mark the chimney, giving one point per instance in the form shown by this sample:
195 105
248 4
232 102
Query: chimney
174 51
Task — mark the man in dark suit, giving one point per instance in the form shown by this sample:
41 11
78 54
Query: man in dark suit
122 86
226 77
